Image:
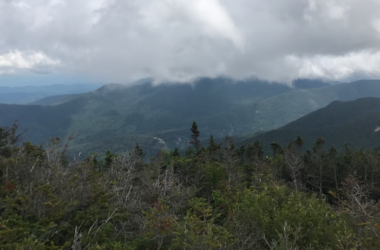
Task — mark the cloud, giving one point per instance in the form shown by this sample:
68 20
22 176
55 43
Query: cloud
15 60
363 64
179 40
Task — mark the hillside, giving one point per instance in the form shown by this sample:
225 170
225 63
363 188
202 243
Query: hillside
277 111
356 123
160 116
142 111
54 100
221 197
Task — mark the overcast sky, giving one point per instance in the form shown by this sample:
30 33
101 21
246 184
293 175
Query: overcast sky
179 40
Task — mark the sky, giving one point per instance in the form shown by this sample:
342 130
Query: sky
181 40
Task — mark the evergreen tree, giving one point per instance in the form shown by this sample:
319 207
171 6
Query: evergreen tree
276 148
213 148
3 137
315 162
194 137
64 161
254 152
230 160
8 139
4 145
241 153
212 145
138 151
109 159
254 156
189 153
332 164
175 153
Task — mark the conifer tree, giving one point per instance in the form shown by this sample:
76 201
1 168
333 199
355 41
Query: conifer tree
212 145
241 153
3 141
137 151
175 152
254 155
315 161
194 137
230 159
276 148
332 163
254 152
108 159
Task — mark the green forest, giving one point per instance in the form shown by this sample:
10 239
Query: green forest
115 116
211 196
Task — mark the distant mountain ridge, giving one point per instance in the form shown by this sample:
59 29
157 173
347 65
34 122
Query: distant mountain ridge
30 94
309 84
51 88
356 123
54 100
123 115
276 111
146 111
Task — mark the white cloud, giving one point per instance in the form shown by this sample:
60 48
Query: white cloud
214 20
16 60
364 63
178 40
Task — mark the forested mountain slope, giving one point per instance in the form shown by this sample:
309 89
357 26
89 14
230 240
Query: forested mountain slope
54 100
277 111
159 116
355 122
139 113
218 197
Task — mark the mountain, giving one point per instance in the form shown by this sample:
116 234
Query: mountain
356 123
54 100
141 113
117 116
274 112
29 94
309 83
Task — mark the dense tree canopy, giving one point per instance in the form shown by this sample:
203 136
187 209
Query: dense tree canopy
223 197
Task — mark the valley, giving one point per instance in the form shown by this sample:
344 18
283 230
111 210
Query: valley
115 117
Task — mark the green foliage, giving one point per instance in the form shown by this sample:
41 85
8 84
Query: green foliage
108 159
3 138
271 207
234 198
175 153
212 145
199 231
214 177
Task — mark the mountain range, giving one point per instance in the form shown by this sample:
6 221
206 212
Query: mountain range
116 116
29 94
